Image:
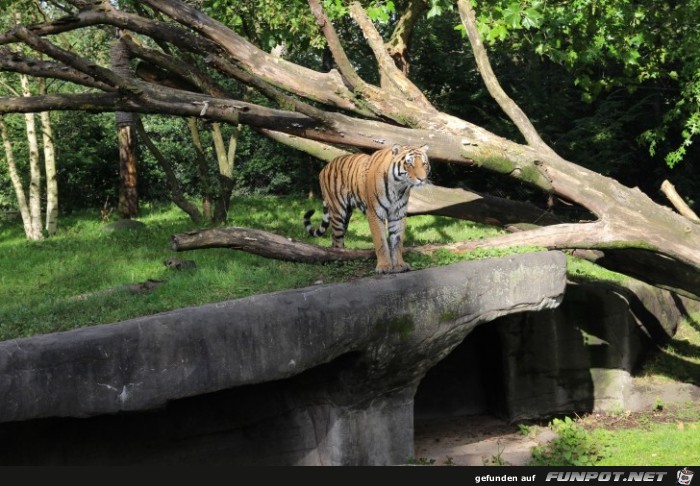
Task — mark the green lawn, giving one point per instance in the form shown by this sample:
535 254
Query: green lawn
68 281
655 445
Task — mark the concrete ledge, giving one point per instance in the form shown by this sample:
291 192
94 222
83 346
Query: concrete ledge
343 361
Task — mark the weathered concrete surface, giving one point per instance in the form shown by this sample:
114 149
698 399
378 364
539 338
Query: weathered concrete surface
354 352
579 357
587 350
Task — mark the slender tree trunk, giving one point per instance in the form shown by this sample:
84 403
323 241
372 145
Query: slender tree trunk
176 193
128 206
16 180
202 168
34 168
49 168
226 160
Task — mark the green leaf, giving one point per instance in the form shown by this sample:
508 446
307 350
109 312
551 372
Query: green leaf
512 15
499 32
532 19
434 11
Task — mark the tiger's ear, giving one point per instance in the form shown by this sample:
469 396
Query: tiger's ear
425 148
395 148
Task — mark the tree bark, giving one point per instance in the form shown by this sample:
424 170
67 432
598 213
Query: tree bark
202 169
176 193
16 180
49 168
681 206
128 205
339 108
34 169
225 159
265 244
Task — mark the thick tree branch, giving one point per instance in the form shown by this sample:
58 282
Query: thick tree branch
521 121
175 68
324 88
264 244
176 192
347 70
398 44
78 63
392 78
47 69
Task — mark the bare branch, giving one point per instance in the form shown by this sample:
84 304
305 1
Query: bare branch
48 69
510 107
176 191
324 88
76 62
265 244
341 59
392 78
670 192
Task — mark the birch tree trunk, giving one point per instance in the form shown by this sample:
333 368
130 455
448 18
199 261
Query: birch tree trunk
49 167
16 180
34 168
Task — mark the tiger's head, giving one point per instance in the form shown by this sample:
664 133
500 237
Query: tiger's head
414 166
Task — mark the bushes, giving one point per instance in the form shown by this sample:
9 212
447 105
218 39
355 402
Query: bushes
573 446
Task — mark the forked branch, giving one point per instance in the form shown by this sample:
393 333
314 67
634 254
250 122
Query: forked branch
510 107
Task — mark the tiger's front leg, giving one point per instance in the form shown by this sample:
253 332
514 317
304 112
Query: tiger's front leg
381 246
396 237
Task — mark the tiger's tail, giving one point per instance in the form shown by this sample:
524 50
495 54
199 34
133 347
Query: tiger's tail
325 223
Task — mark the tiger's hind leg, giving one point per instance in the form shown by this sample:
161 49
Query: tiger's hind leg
339 220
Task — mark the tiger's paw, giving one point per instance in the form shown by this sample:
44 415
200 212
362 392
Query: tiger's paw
384 268
401 268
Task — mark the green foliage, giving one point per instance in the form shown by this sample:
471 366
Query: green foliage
269 23
573 446
611 44
381 11
679 359
675 443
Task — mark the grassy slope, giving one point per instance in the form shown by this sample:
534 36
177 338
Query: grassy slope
64 282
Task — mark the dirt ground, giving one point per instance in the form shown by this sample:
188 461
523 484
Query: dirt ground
480 440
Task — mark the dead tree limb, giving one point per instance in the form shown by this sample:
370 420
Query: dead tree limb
681 206
264 243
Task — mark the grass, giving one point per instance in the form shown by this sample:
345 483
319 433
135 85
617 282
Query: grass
679 359
69 280
658 445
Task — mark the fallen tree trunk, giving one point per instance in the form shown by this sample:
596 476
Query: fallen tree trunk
480 208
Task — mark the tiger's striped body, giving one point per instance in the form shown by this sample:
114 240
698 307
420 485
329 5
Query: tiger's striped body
379 185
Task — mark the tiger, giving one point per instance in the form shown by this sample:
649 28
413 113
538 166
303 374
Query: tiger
379 185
